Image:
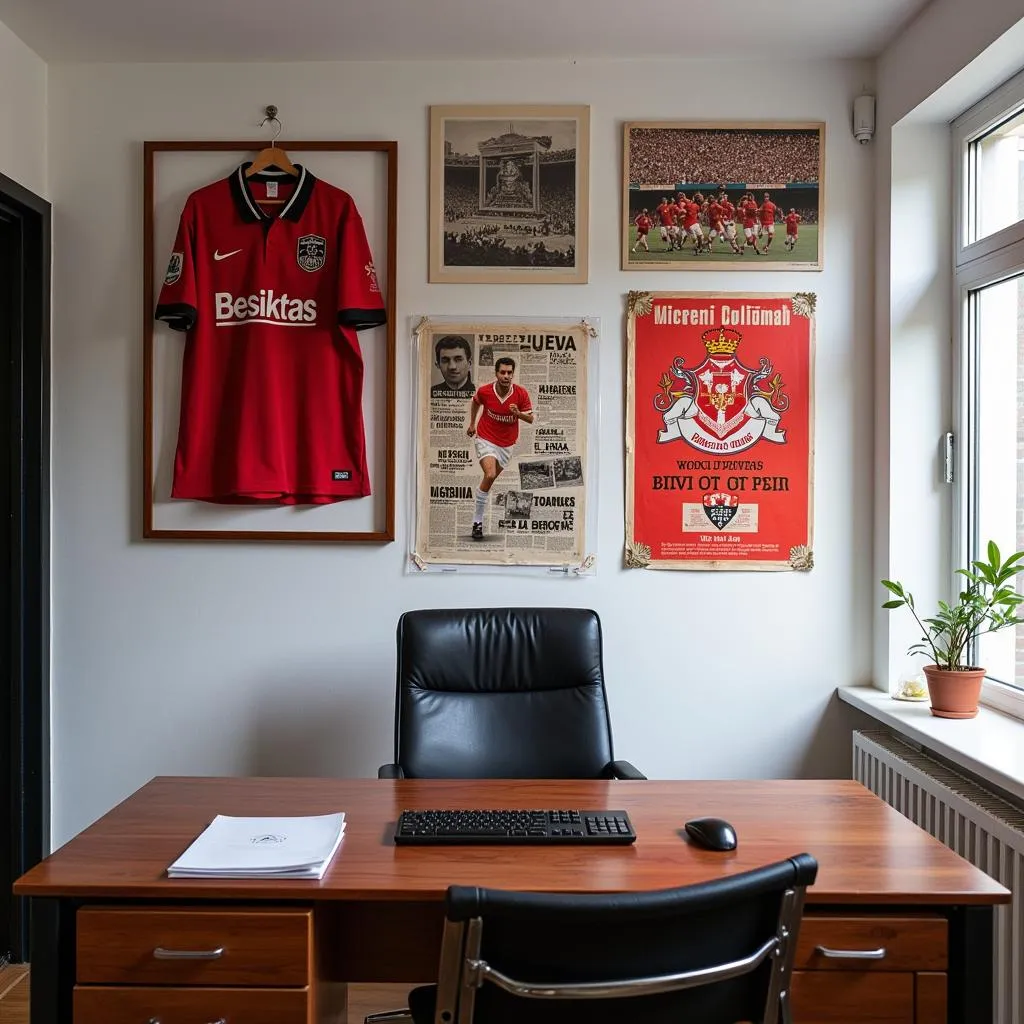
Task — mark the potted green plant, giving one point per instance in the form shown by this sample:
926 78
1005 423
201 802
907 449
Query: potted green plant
986 604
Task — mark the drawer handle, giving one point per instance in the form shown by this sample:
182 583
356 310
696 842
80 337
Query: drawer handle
851 954
188 954
220 1020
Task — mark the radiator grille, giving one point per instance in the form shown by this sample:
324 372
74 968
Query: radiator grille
980 826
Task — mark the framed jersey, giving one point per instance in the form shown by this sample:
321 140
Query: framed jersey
269 343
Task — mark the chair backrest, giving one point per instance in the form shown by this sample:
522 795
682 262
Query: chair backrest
714 953
501 693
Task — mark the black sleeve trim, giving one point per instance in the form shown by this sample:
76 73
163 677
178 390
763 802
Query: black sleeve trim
361 319
179 316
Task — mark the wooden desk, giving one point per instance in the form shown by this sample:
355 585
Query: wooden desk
102 903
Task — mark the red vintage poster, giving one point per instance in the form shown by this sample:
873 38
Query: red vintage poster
719 421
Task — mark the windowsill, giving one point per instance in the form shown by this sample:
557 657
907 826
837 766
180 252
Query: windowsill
990 746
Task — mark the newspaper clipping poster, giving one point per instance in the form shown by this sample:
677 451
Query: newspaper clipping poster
719 422
502 470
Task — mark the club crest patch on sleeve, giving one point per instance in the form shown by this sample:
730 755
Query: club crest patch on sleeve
371 273
311 252
174 268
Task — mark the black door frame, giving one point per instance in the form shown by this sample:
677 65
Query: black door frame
24 546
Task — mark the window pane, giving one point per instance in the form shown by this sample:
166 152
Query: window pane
996 449
997 195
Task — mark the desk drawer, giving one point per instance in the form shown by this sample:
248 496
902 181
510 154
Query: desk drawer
99 1005
833 997
137 946
914 942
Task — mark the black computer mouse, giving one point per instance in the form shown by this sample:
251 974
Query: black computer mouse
711 833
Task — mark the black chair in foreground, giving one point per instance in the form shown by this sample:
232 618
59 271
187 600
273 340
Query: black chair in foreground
502 693
712 953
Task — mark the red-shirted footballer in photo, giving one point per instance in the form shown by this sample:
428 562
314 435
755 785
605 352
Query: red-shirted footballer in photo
501 404
499 424
271 297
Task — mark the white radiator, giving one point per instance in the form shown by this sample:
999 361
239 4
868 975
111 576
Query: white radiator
980 826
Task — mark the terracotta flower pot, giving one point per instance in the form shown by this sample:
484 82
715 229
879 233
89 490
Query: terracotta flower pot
954 692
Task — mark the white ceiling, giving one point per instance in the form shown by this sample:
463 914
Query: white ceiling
296 30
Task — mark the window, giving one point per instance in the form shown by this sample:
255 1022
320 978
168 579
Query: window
994 163
988 144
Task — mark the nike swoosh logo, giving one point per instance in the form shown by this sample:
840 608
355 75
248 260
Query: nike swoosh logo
224 255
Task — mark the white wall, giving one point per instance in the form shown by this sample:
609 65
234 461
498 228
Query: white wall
940 65
22 113
230 659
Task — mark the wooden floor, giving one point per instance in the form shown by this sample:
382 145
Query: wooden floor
14 994
362 999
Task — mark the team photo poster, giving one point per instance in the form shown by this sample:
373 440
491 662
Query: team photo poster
719 422
502 455
509 194
716 196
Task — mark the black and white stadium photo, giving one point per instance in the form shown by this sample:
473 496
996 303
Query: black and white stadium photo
715 196
568 471
518 504
535 476
508 194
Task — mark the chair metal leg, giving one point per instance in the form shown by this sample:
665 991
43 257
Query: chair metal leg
387 1017
785 1013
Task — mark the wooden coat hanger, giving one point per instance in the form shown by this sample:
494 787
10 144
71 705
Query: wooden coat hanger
272 156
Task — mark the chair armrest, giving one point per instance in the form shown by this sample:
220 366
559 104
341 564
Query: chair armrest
622 770
390 771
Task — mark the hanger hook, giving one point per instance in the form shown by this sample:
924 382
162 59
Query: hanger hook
271 112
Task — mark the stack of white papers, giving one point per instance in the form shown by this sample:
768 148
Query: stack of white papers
232 847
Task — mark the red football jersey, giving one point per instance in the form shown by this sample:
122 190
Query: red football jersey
792 220
272 377
767 212
497 424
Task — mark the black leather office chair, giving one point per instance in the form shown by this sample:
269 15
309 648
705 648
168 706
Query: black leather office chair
502 693
712 953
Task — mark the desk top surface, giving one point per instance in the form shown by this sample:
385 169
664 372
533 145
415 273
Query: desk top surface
867 852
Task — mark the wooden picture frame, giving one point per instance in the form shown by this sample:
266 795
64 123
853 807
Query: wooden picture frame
368 171
668 163
509 194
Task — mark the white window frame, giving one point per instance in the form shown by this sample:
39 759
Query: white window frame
976 265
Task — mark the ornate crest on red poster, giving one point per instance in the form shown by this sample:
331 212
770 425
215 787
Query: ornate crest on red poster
721 405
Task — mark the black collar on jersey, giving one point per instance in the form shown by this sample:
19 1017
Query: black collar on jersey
249 210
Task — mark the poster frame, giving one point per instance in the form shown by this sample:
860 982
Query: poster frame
638 546
441 272
423 330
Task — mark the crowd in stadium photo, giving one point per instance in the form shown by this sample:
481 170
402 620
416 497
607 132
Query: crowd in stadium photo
658 155
482 247
558 205
557 156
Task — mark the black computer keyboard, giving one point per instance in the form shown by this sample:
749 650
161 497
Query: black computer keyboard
514 826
